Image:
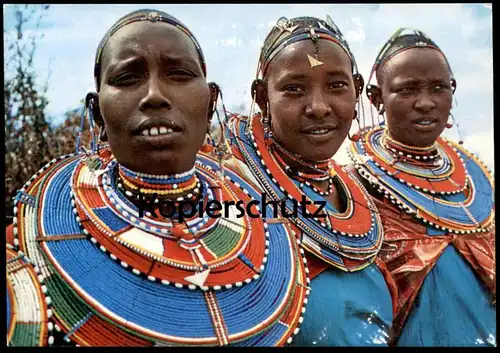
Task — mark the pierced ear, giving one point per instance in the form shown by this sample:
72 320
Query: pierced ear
214 95
359 84
374 94
259 94
92 104
453 85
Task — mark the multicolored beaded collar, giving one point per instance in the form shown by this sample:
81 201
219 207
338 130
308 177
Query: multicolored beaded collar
135 281
429 192
27 316
347 240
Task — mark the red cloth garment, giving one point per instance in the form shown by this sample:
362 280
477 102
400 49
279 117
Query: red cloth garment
9 234
410 254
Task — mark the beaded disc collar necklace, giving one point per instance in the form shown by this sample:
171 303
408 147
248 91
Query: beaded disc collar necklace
116 278
348 240
450 190
164 187
27 316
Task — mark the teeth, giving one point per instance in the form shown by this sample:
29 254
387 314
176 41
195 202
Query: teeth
319 132
155 131
425 122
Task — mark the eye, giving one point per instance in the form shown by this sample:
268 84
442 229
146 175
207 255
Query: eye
406 90
337 85
124 79
180 74
294 89
441 87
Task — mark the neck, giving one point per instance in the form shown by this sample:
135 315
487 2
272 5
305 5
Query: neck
176 187
419 155
389 138
319 175
295 165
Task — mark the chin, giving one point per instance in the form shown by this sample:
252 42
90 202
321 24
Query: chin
163 163
319 155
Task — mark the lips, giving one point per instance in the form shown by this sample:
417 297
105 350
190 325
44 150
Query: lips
319 134
156 127
318 130
425 121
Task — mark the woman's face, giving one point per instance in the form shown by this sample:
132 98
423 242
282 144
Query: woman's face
153 98
311 109
417 95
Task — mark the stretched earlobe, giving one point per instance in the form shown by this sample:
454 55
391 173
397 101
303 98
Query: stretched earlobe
374 95
214 95
359 84
453 85
259 94
92 104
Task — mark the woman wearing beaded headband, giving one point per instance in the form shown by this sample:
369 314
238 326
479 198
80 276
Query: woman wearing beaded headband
435 199
307 86
117 267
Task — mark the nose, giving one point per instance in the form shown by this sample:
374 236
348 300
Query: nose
424 101
318 107
156 95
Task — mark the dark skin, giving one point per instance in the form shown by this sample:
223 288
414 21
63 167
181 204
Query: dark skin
301 98
151 77
416 93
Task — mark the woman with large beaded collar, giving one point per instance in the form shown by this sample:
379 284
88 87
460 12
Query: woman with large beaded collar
122 269
435 199
307 94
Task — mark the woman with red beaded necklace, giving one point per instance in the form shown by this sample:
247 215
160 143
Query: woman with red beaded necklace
115 267
435 199
306 88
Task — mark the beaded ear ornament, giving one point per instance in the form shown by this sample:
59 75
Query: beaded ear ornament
91 157
219 149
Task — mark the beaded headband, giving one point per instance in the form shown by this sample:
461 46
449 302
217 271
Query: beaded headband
143 15
297 29
400 42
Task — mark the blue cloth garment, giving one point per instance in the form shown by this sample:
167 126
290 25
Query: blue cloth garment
453 308
347 309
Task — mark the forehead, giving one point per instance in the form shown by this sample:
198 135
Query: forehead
145 36
417 63
293 58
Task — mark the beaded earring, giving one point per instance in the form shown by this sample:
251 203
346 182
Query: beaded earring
91 157
221 150
450 125
356 136
209 145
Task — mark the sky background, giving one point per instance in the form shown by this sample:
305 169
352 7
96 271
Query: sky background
231 37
